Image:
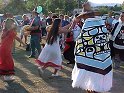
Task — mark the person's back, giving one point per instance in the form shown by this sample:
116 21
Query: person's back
92 55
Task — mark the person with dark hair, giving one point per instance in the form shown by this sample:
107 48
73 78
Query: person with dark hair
49 19
61 16
66 20
70 42
43 26
117 42
62 36
35 33
50 56
54 17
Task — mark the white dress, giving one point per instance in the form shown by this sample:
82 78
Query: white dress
93 67
51 55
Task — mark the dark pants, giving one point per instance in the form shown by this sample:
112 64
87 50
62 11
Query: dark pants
69 54
44 33
35 44
116 55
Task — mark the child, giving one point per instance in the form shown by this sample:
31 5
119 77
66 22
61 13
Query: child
7 41
51 53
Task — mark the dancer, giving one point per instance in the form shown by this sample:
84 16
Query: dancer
117 47
50 56
93 67
70 42
7 40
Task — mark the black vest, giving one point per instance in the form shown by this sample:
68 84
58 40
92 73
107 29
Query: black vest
39 24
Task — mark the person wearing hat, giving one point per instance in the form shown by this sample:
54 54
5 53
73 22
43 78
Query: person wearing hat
117 42
35 32
93 65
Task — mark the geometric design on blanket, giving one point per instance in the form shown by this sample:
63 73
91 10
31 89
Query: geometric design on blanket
93 42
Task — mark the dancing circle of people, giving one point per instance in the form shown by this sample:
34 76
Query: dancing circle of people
86 41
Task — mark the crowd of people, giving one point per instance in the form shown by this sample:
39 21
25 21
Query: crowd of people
62 36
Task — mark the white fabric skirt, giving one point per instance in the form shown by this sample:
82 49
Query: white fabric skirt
87 80
51 55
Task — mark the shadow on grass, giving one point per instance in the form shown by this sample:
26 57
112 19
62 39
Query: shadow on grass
118 83
21 58
64 69
13 87
61 84
23 76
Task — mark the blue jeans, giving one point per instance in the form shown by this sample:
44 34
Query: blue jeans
35 44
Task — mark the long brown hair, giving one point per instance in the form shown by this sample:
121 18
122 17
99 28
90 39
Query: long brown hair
53 33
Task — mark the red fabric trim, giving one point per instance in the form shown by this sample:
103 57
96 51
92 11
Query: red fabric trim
66 47
69 39
2 72
50 64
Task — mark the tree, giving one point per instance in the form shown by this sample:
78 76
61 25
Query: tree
122 6
15 7
103 9
1 4
69 6
24 6
117 8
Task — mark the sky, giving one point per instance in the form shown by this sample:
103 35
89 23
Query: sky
106 1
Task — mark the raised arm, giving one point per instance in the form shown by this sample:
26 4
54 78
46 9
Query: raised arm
67 29
88 15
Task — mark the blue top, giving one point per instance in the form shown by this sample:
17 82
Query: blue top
92 46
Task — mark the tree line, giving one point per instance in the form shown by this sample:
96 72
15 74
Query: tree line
66 6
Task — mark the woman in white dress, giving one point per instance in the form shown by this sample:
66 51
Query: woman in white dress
50 56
